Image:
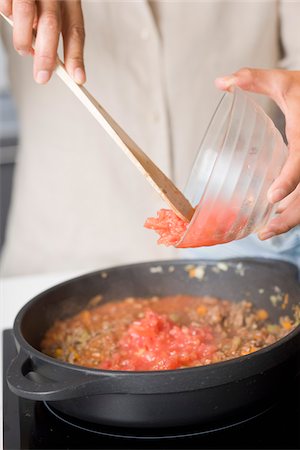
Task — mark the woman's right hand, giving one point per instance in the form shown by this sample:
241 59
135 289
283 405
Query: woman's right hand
283 86
48 18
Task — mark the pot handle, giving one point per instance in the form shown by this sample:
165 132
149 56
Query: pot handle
24 381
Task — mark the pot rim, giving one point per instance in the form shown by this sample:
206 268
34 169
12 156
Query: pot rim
244 360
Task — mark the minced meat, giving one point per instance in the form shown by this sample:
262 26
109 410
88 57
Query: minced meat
162 333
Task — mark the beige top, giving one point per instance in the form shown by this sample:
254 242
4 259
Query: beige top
78 202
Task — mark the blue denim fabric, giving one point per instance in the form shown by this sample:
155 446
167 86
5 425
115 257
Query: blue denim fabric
285 247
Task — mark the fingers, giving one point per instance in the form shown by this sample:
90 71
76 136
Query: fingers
73 34
288 179
23 16
285 221
48 29
6 7
44 17
272 83
286 202
284 88
287 218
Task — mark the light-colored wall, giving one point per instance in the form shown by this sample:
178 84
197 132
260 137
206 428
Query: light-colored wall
8 122
3 75
8 143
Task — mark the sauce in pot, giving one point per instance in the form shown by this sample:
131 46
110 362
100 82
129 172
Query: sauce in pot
162 333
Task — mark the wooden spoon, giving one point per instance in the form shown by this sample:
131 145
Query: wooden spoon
163 185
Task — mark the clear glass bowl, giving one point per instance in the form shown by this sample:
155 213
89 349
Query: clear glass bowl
240 156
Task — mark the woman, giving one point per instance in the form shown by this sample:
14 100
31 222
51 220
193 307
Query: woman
77 202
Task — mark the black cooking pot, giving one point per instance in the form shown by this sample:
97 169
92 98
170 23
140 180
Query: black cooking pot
229 390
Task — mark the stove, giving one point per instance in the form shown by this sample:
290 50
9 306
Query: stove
34 425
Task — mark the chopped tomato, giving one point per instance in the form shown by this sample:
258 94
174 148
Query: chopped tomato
156 343
168 225
209 227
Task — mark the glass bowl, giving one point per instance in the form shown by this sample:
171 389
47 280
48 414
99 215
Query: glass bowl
240 156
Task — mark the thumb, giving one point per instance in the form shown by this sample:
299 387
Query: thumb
284 88
272 83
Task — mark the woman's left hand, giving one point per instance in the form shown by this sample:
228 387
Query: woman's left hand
283 87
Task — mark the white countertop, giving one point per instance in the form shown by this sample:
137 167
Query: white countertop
16 291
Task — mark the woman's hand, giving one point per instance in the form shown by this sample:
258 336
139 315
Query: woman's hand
284 88
48 18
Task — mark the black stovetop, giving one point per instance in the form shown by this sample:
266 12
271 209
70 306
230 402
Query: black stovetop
31 425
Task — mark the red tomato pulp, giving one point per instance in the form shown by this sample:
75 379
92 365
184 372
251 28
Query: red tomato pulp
168 225
156 343
208 227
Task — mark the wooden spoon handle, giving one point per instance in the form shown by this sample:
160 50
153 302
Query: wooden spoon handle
163 185
154 175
